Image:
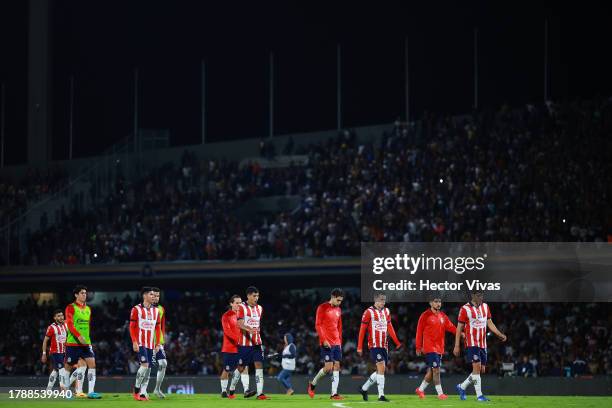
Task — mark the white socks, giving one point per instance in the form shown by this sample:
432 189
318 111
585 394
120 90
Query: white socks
371 380
319 375
466 383
473 379
477 384
161 373
380 379
259 380
335 381
91 379
52 379
235 379
63 377
78 375
244 378
423 385
439 389
224 385
140 376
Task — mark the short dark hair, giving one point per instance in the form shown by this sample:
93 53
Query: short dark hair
78 288
378 295
155 289
56 311
145 289
252 289
231 299
337 292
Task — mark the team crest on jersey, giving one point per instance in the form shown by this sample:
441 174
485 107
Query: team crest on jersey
337 313
442 320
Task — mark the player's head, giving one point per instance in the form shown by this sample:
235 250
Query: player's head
435 302
234 302
58 316
477 297
147 294
252 295
379 300
156 293
80 293
288 337
336 297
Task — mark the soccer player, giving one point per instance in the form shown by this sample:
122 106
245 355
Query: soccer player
229 351
249 344
431 328
474 318
159 358
145 331
78 342
56 334
376 320
329 328
288 363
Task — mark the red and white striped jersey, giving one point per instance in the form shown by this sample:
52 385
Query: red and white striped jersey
252 318
379 327
57 335
475 321
145 326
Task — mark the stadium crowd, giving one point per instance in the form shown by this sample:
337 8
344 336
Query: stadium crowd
526 174
544 339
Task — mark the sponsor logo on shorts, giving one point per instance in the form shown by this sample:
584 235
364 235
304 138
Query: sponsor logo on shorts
227 368
435 364
476 357
378 357
326 358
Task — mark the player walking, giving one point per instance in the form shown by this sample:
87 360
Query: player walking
249 344
78 341
474 318
376 321
329 328
145 330
159 358
431 328
229 351
56 334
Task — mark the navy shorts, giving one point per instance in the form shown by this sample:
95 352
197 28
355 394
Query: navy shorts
230 361
58 360
161 354
73 353
433 360
476 355
249 354
145 355
379 355
331 354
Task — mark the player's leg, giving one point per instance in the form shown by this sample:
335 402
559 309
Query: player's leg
75 356
282 378
381 365
473 355
244 379
91 376
328 366
143 371
371 380
259 377
229 366
162 364
290 390
336 357
477 378
420 391
52 378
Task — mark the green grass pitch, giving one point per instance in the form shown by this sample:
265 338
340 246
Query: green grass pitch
320 401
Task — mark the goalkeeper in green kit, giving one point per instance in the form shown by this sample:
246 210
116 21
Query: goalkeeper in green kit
78 342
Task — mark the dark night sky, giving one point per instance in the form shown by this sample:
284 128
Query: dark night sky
101 42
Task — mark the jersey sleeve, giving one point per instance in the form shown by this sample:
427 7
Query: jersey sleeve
228 329
157 332
391 329
240 313
365 321
319 323
163 325
134 325
340 328
488 312
49 332
70 321
449 326
419 332
462 316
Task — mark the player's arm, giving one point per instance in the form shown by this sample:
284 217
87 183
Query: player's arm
163 323
44 349
157 334
241 323
459 330
495 330
70 323
365 322
134 329
392 333
449 326
419 335
228 329
319 325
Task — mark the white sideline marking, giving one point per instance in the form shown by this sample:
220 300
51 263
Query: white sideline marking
340 405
